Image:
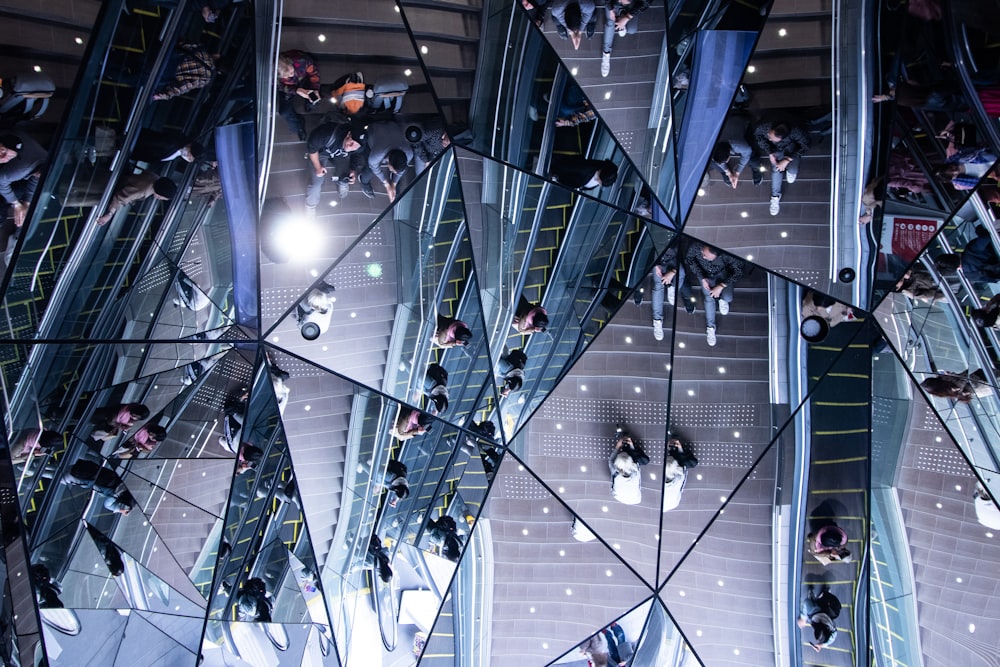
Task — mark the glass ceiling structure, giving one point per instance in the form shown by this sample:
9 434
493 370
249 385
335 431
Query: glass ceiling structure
214 402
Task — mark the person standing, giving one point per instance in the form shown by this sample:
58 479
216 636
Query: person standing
716 273
818 613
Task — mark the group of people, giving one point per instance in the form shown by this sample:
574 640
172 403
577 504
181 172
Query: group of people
690 264
627 458
575 19
361 145
773 143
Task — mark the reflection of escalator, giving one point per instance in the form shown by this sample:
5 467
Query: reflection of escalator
839 474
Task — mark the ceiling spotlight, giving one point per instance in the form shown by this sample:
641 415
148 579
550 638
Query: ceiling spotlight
524 531
690 392
751 69
321 37
782 32
628 339
407 72
701 192
558 427
607 95
583 387
574 71
744 214
78 40
424 49
784 235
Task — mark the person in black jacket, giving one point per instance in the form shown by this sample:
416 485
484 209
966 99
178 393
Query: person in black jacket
583 174
716 273
326 143
783 144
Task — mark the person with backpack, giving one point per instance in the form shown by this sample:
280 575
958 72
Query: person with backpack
327 143
819 613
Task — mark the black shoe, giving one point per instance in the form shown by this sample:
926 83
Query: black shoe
591 27
689 306
367 190
302 135
561 31
637 297
758 177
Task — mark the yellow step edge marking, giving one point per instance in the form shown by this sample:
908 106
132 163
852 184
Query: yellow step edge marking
831 491
844 432
841 405
829 461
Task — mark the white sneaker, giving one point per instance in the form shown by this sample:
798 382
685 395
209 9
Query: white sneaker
775 205
671 293
723 307
789 177
605 64
710 336
658 329
621 32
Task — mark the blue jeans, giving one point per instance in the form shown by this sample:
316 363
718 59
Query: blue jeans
658 288
710 305
609 30
778 177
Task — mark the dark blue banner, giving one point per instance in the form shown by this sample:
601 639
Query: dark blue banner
720 57
235 149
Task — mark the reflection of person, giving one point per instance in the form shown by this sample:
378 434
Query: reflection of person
389 155
530 318
596 650
818 613
732 152
34 443
248 457
829 545
819 305
138 187
572 17
103 481
980 262
443 533
394 481
411 422
987 512
21 158
918 284
783 144
378 557
621 19
450 332
961 387
435 389
620 649
47 589
668 273
297 76
987 315
252 602
583 174
315 311
326 143
153 146
111 421
717 273
626 480
193 70
511 368
143 440
679 459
